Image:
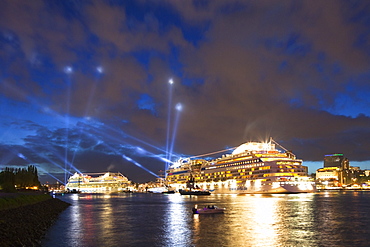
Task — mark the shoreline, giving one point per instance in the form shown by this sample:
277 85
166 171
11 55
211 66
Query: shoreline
26 225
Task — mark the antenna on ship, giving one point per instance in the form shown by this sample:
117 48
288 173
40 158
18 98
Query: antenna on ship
201 155
272 140
288 152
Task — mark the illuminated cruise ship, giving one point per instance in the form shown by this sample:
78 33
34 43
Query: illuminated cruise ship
105 183
253 167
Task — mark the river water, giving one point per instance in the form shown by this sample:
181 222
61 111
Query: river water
317 219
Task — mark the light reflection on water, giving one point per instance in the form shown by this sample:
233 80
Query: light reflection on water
176 233
321 219
75 216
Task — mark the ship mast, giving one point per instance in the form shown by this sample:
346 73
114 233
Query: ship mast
201 155
273 141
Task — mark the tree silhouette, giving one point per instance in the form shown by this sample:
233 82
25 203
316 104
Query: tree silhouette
21 178
7 179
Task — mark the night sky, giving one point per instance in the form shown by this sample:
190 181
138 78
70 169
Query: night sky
84 85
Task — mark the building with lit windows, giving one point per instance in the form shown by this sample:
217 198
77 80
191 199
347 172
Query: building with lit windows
336 171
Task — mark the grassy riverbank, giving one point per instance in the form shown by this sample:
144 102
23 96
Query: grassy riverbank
24 217
14 200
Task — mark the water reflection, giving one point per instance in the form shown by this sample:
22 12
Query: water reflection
263 215
295 222
107 220
175 223
322 219
254 219
74 229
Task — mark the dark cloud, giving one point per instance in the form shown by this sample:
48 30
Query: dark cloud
91 80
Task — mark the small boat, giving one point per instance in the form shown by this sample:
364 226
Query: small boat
195 192
208 210
157 190
72 191
168 192
161 190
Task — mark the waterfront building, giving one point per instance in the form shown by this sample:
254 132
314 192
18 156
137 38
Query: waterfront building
337 171
367 173
336 160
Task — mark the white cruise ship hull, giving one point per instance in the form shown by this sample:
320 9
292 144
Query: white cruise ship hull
266 189
287 187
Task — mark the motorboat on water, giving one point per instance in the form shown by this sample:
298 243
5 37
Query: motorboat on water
208 210
161 190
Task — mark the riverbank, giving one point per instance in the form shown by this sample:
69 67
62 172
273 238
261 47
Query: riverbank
24 218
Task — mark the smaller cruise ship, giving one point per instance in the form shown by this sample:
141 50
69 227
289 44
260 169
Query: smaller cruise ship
253 167
103 183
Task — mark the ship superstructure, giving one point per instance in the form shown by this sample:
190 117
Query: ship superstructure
253 167
105 183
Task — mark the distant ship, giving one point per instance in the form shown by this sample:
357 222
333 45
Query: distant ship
161 188
105 183
253 167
